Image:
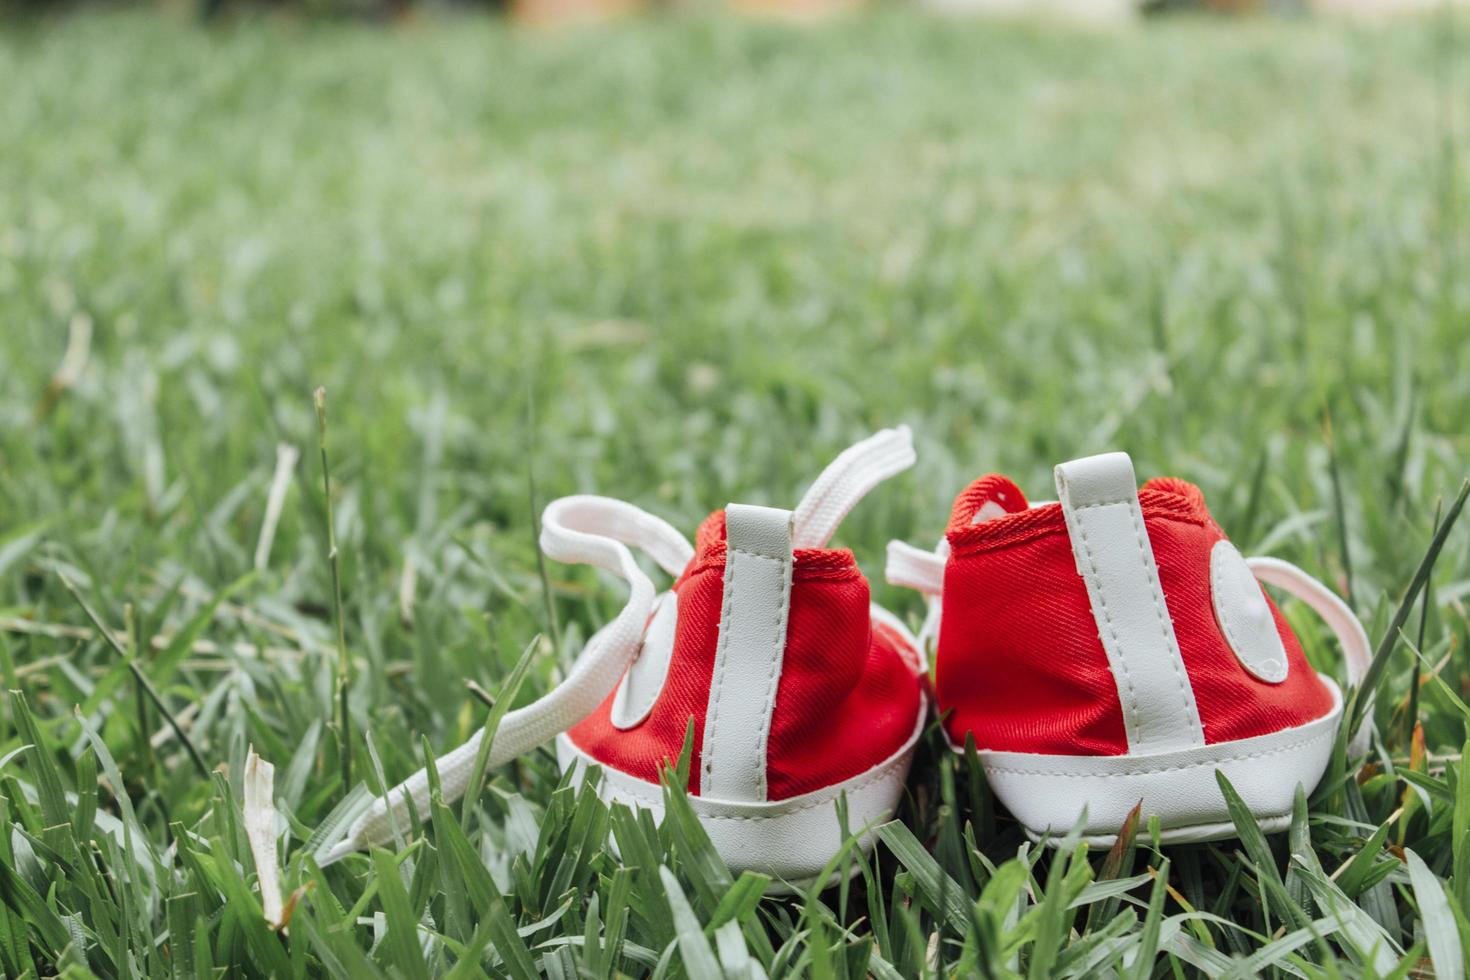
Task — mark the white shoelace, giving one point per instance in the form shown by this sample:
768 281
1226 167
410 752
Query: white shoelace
923 571
846 480
597 531
1357 652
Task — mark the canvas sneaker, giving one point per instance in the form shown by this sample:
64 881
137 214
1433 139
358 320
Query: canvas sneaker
798 689
1113 646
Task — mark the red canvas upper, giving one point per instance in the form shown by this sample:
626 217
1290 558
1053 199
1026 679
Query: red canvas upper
1020 663
847 698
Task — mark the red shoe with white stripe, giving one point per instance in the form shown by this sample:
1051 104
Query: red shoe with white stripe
799 690
1114 647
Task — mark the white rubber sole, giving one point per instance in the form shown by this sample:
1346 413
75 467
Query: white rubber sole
1053 794
791 840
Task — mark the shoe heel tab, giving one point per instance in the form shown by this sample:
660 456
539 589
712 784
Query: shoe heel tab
749 654
766 532
1094 481
1115 559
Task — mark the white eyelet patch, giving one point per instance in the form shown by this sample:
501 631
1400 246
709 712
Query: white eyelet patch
1245 616
644 680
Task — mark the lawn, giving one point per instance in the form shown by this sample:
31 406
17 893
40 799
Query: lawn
684 260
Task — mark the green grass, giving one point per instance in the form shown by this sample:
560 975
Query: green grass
710 254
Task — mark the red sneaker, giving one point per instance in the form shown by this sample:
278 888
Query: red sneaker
799 690
1115 647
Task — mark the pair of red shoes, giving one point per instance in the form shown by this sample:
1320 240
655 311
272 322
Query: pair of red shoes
1107 648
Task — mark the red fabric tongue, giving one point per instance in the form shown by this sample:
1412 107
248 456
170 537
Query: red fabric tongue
987 498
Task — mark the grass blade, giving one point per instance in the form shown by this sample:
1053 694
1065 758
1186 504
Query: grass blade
334 561
941 892
112 642
1259 852
694 948
1440 928
1362 696
401 939
507 696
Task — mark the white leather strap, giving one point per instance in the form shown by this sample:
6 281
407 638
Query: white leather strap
581 529
1099 498
751 647
846 480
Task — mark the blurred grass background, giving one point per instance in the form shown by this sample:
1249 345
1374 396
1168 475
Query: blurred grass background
719 249
681 260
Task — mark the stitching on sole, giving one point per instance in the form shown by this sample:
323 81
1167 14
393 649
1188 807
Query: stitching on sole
654 796
1122 774
642 796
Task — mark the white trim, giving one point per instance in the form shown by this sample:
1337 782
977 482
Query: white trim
1051 794
1245 616
645 678
1099 498
792 840
749 653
